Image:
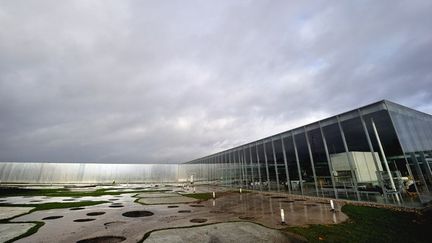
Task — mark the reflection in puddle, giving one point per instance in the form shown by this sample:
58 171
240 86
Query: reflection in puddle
262 209
110 239
83 220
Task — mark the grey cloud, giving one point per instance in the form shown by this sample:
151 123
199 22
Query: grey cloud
158 82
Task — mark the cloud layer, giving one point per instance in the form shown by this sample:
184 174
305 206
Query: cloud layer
158 82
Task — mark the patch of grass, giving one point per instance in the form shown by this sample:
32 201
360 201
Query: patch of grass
14 191
29 232
48 206
9 192
368 224
238 191
200 196
42 206
55 205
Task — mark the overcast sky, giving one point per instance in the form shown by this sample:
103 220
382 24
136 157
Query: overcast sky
170 81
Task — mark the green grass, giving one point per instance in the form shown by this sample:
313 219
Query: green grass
9 192
243 191
48 206
200 196
29 232
42 206
56 205
367 224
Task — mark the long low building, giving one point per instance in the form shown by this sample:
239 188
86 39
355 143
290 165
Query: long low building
380 152
77 173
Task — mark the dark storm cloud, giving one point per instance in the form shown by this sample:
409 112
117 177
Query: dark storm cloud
156 82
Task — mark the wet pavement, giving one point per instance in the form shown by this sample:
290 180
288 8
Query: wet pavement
9 212
10 231
114 218
223 232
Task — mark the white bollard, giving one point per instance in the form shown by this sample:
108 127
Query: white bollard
214 195
194 189
282 213
240 190
332 205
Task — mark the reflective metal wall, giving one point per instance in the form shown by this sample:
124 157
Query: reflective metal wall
88 173
414 129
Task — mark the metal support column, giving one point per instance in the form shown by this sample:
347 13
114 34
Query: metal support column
241 158
426 166
298 164
244 166
230 169
239 173
350 162
286 165
252 167
312 162
418 169
275 165
384 157
227 169
366 132
266 164
259 167
330 165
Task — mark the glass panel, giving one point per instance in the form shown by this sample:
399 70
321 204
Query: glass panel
270 164
280 165
363 160
305 165
262 169
340 162
292 165
391 152
322 171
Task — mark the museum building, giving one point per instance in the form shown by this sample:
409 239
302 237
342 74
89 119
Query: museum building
380 152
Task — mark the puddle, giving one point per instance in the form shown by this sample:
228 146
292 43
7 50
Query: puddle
68 199
136 214
216 211
278 197
198 220
113 199
197 205
83 220
247 217
52 217
173 206
184 211
103 239
114 223
74 209
116 205
95 213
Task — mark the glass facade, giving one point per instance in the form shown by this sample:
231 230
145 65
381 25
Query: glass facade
381 152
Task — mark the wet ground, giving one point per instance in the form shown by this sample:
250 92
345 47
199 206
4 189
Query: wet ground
124 219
